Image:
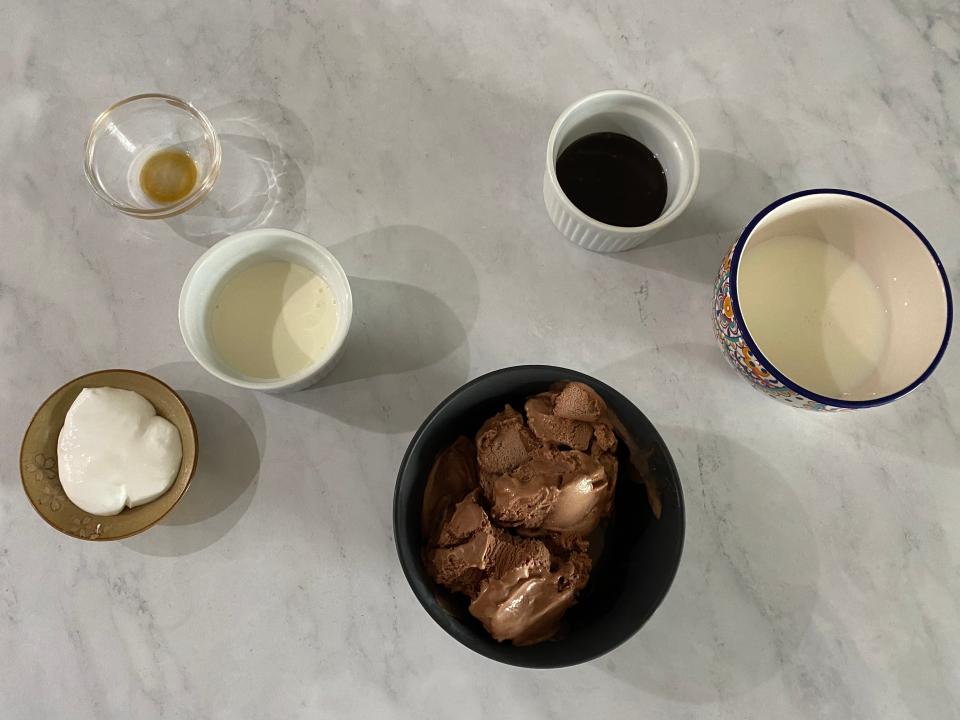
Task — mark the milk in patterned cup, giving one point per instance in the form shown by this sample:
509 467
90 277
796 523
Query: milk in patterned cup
832 300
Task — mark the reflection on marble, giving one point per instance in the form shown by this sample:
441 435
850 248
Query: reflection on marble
820 578
261 183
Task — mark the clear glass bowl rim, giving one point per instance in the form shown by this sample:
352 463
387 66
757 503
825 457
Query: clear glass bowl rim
196 195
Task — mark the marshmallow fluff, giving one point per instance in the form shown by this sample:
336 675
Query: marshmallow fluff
114 451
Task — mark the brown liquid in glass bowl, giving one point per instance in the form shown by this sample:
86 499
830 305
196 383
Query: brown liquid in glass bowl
168 176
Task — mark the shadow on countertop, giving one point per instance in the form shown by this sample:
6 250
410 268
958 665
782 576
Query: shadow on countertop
407 346
732 190
744 596
266 153
231 431
923 426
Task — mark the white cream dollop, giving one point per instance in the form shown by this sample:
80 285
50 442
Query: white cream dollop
115 451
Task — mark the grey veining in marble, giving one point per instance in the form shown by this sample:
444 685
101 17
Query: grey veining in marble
821 577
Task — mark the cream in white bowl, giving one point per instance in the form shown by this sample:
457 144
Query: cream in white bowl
266 309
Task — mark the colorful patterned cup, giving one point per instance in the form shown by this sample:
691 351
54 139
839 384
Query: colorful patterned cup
900 264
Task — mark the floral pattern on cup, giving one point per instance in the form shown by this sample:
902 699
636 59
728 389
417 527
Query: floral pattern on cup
86 528
42 468
738 353
44 472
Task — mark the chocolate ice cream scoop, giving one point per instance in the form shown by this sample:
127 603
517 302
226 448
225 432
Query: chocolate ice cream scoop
570 417
464 548
552 429
454 474
586 496
503 442
511 530
526 603
577 401
555 491
511 552
469 548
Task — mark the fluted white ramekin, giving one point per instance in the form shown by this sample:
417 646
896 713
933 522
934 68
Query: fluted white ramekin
643 118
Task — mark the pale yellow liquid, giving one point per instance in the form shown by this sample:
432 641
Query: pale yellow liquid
273 320
814 313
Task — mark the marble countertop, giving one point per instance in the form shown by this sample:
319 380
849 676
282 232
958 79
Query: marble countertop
821 573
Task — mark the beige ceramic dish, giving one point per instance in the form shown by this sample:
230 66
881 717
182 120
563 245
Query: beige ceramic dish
38 458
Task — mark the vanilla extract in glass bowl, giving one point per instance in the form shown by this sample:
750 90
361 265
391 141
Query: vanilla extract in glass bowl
168 176
152 156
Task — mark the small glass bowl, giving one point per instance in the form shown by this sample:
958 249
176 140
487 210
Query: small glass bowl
129 132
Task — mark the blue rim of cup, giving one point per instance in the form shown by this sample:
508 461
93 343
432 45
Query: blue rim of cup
745 333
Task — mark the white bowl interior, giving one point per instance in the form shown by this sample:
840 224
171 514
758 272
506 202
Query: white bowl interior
897 262
235 254
642 119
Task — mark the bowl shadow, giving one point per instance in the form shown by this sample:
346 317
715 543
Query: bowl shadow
732 190
415 299
231 433
923 425
744 596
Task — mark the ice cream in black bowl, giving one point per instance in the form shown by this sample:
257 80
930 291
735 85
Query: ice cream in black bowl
538 516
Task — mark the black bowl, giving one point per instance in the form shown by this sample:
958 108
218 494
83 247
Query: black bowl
640 553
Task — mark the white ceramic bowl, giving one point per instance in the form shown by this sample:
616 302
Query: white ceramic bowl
236 253
643 118
900 263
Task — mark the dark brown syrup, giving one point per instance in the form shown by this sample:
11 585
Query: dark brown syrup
614 179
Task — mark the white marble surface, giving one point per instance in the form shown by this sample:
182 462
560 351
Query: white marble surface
821 574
